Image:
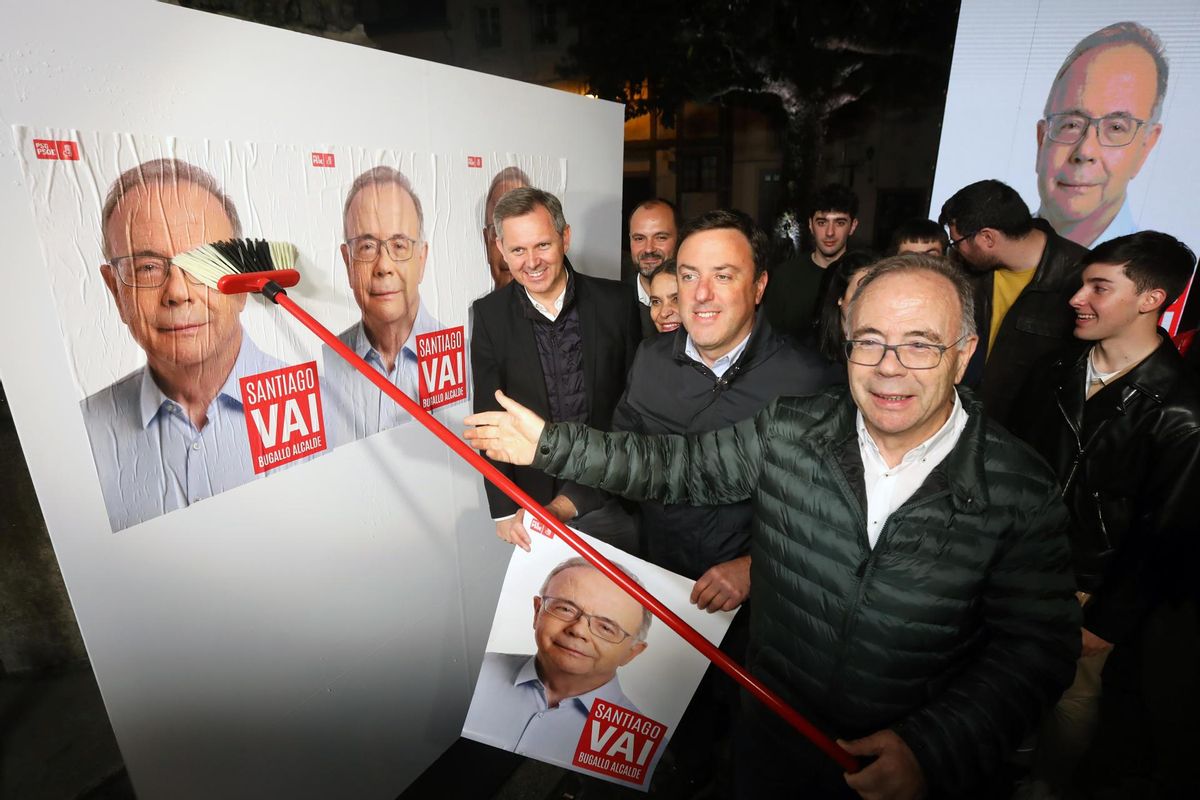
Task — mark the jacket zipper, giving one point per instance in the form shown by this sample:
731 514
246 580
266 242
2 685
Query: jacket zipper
862 575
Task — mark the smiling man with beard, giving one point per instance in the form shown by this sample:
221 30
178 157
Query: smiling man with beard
653 234
173 432
384 252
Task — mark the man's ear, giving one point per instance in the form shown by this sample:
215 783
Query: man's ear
968 350
112 282
345 248
633 653
1152 301
1041 133
760 287
424 257
989 237
853 227
566 237
1144 153
537 609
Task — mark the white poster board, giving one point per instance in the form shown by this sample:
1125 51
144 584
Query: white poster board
314 633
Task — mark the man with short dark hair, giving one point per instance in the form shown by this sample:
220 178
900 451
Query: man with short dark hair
911 576
793 297
559 340
653 235
724 365
1023 273
1119 420
919 236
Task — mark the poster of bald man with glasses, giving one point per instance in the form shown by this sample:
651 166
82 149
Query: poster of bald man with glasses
384 251
1102 118
172 432
1089 110
599 686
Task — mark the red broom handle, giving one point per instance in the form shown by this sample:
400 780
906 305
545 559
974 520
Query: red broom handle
502 481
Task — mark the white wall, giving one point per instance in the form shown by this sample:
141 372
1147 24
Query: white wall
315 634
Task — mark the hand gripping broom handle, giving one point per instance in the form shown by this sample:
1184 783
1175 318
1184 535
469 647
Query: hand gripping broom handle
710 651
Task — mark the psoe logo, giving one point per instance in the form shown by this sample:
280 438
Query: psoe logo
56 150
322 159
475 162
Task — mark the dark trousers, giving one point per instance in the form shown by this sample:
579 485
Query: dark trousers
1148 736
772 760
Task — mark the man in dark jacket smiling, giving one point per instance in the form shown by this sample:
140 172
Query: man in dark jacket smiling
1119 420
911 581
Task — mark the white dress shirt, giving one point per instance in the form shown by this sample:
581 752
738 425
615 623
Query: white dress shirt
546 312
723 363
889 487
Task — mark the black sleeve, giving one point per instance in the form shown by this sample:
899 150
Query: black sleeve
485 370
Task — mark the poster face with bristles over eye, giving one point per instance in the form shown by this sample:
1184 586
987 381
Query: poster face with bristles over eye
187 392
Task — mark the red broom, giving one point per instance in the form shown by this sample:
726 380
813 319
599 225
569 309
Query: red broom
238 266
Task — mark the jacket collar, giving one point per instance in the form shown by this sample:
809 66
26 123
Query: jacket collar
963 469
763 342
1153 378
1055 266
526 303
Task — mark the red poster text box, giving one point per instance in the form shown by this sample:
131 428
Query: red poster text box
56 150
475 162
1173 314
322 159
618 742
441 365
284 420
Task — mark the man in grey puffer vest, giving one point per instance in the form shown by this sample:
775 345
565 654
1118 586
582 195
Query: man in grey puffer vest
911 580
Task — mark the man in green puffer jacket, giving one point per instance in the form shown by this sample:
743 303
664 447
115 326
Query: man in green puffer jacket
911 580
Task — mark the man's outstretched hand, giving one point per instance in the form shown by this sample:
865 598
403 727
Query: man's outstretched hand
510 435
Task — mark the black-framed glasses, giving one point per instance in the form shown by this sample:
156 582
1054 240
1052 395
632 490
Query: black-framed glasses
147 272
1114 130
368 248
567 611
956 242
911 355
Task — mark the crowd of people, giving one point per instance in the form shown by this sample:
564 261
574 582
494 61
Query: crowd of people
949 484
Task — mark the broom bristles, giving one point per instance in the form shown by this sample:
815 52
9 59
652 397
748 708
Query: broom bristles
209 263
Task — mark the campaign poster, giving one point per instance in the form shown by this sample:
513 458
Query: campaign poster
1091 111
578 674
187 392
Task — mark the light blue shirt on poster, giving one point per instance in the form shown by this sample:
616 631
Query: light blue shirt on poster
509 710
1122 225
354 407
149 456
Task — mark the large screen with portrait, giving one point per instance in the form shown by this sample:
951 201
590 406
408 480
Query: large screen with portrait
1091 111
